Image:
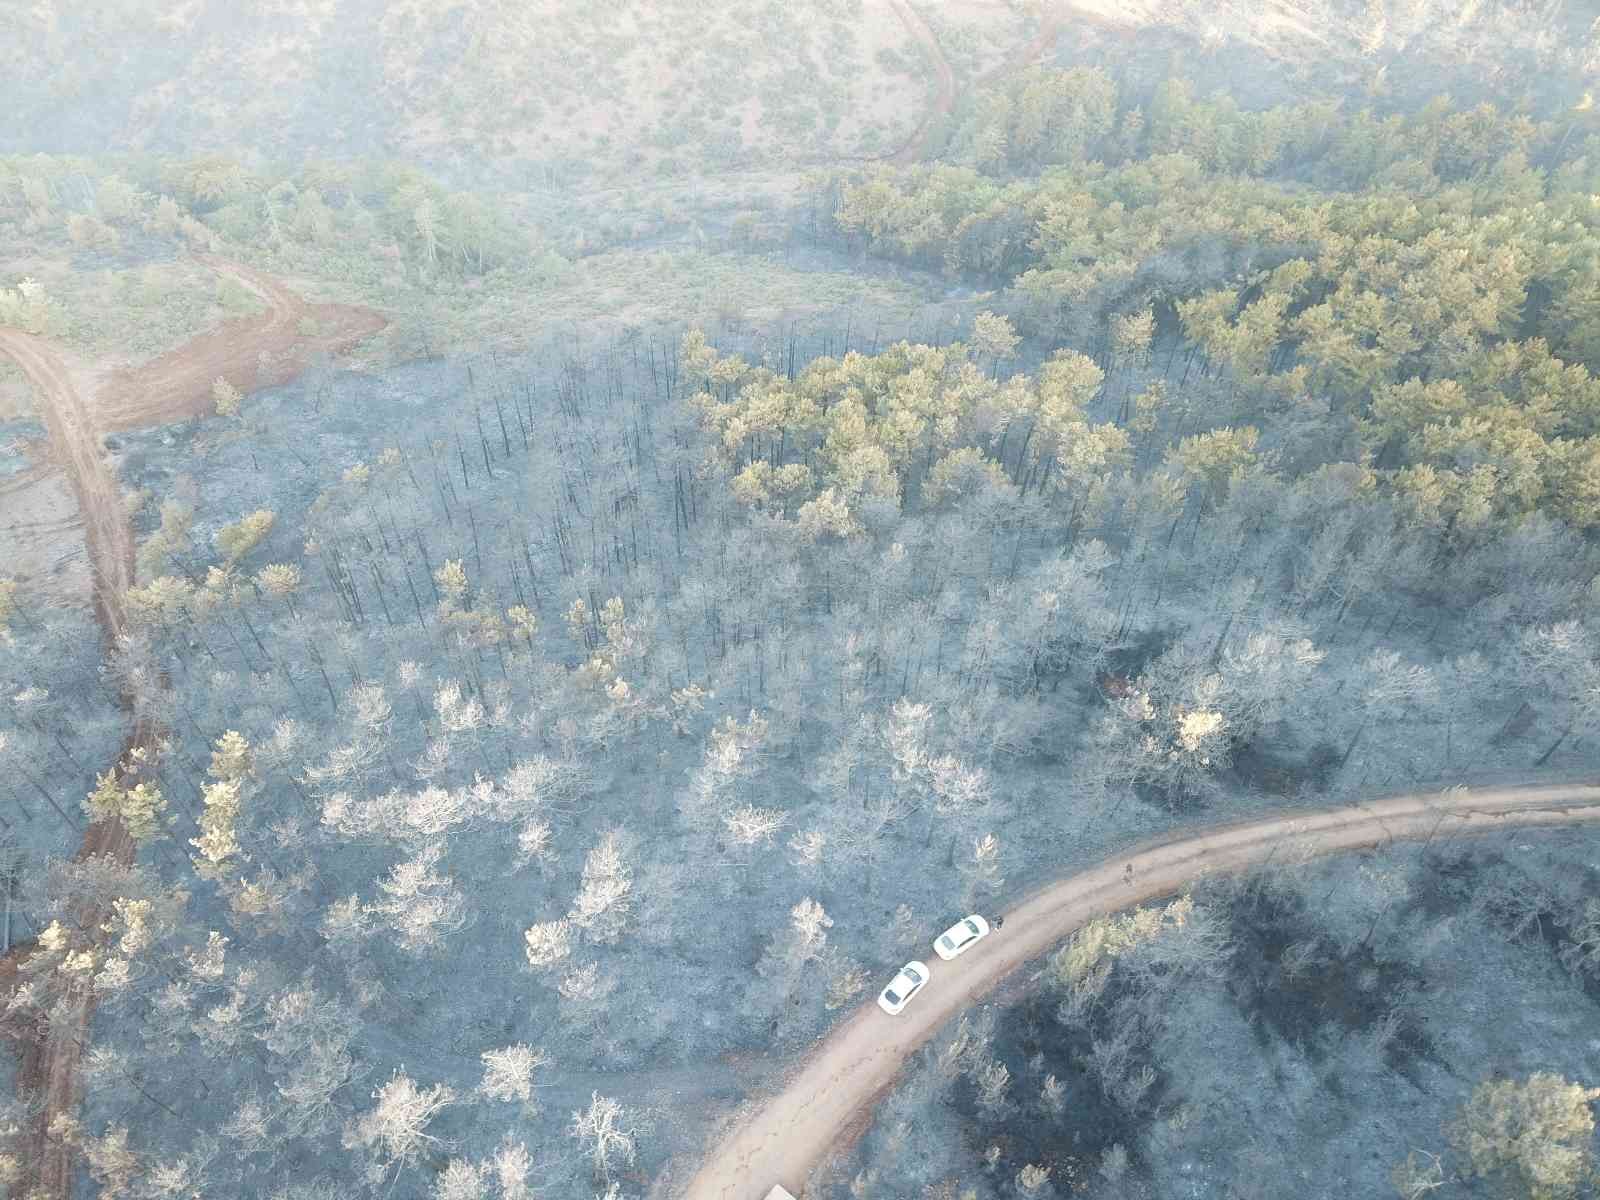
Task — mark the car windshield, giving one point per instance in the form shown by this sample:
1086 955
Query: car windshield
911 974
947 943
891 997
972 925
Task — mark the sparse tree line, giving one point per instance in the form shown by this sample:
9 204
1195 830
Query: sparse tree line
61 725
360 215
1047 117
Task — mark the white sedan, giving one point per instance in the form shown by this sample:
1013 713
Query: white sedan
960 935
902 987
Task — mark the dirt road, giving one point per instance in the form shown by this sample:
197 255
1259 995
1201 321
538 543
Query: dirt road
75 444
47 1067
780 1139
944 79
1050 28
1050 25
171 387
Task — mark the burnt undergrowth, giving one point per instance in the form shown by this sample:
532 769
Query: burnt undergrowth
1034 1045
1295 984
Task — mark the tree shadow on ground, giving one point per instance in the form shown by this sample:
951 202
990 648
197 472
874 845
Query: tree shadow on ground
1033 1044
1316 1003
1259 767
1254 766
1453 882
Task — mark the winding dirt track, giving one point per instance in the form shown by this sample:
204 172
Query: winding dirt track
782 1138
944 78
171 387
1050 28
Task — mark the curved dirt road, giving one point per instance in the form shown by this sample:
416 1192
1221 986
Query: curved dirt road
945 81
1050 28
786 1135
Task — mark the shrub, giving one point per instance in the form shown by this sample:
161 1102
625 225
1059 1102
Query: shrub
1536 1135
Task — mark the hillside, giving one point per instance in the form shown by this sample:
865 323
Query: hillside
545 550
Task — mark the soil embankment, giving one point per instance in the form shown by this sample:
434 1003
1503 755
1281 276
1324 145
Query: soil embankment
252 352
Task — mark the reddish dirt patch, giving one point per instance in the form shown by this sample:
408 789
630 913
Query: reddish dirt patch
249 352
75 445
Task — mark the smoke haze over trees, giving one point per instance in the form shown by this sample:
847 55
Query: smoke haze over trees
622 550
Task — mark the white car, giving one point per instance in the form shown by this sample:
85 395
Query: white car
960 935
902 987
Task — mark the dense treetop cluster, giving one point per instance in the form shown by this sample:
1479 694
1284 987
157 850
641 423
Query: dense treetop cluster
1417 272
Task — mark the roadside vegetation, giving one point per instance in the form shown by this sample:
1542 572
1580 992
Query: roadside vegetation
1199 1043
